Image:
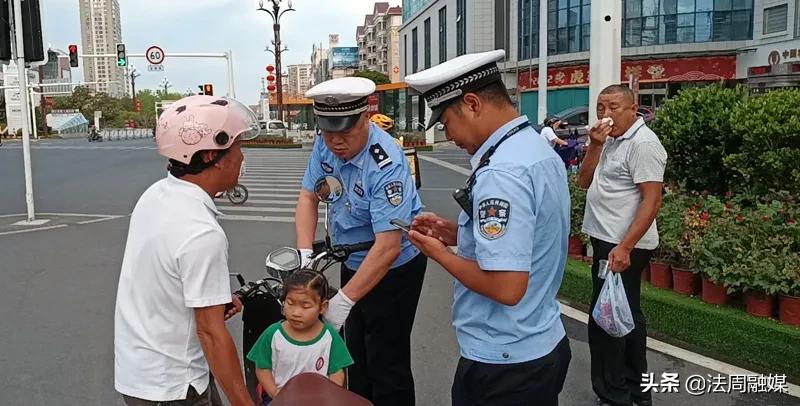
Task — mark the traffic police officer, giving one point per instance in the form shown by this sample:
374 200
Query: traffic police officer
511 237
380 288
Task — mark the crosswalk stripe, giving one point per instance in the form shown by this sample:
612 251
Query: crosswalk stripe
261 209
269 219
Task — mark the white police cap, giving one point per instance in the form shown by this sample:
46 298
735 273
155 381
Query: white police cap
446 82
338 103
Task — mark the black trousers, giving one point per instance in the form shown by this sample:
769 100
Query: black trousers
208 398
536 382
618 363
378 335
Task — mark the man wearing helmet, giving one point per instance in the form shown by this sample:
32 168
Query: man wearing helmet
169 324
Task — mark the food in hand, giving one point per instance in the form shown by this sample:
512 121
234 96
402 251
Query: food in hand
608 120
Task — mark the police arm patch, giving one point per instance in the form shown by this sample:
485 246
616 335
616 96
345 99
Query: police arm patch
326 167
379 155
493 217
394 192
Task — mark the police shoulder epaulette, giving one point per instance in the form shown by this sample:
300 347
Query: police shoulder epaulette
379 155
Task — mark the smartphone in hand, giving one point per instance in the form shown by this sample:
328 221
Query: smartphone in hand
400 225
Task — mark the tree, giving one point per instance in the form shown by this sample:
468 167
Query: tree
377 77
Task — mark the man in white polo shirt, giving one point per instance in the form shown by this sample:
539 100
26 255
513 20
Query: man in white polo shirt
624 171
169 325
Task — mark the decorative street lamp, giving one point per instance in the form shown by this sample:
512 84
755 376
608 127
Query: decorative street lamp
276 15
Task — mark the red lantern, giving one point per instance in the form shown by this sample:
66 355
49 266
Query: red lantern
270 68
271 88
271 78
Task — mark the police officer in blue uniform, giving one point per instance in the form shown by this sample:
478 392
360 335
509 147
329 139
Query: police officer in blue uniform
511 235
381 287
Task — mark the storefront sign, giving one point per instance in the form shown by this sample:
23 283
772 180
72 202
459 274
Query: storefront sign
654 70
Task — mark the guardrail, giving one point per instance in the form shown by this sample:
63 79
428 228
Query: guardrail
123 134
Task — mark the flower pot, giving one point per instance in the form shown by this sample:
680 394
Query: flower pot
575 247
714 293
685 282
790 310
587 259
646 273
759 304
661 275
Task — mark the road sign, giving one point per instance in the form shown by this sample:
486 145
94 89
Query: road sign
154 55
155 68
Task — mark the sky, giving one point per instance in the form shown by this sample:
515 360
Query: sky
205 26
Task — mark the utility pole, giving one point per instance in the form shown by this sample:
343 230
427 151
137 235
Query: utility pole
19 51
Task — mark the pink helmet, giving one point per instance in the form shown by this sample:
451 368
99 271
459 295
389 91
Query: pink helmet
199 123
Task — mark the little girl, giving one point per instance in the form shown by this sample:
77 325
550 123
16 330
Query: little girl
302 342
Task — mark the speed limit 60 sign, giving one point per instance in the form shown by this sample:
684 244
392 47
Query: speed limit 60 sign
154 55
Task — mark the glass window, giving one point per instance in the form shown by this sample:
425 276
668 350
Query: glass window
633 32
722 26
586 37
633 8
702 25
686 34
668 29
685 6
562 18
574 39
574 16
414 51
649 7
742 4
705 5
587 14
427 28
563 39
722 5
551 18
775 19
650 31
742 19
669 6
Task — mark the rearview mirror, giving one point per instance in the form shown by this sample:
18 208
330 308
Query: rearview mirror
328 189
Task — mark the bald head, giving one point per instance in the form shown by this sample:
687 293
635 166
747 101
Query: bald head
625 91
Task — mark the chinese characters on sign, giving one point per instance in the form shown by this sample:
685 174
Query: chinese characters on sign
656 70
697 385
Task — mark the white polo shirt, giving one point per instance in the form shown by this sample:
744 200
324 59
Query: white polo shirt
176 259
549 135
613 199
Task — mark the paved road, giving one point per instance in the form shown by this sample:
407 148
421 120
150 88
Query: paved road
59 287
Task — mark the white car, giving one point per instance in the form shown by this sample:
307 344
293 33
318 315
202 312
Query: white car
273 128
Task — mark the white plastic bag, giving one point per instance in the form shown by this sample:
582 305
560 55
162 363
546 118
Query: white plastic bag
612 312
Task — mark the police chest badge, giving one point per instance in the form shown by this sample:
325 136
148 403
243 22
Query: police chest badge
358 189
325 167
394 192
493 218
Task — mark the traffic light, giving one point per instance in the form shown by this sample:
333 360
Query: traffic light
73 56
122 56
208 89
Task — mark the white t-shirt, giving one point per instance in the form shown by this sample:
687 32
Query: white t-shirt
549 135
176 259
613 199
286 357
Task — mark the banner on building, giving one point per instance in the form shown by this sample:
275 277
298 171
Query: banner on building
344 57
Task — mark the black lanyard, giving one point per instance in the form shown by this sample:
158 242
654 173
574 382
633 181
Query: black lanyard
464 196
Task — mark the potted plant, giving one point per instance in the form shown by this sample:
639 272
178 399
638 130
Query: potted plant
577 206
713 254
789 290
670 226
696 220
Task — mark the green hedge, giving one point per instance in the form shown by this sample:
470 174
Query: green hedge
724 333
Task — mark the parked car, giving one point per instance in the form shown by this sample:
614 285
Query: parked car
272 128
577 119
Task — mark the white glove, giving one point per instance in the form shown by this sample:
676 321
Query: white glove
306 255
338 310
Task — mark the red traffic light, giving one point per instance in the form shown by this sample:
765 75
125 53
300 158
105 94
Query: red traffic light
73 48
271 88
271 78
73 56
270 68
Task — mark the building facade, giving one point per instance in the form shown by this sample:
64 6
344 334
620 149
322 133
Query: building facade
379 41
667 45
298 79
101 31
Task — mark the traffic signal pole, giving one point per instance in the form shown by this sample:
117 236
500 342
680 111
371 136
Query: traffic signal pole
19 51
228 56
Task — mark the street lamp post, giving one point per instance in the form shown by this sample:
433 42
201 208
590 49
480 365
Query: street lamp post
276 15
134 74
165 83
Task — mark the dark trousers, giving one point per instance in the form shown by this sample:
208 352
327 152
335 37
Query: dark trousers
618 363
536 382
208 398
378 335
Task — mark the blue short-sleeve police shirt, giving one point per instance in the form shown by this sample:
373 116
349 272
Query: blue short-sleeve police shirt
378 187
520 223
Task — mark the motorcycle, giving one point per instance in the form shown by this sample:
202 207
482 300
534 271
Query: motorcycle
237 194
262 307
94 136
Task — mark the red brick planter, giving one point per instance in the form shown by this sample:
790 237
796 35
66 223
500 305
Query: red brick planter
660 275
685 282
790 310
575 248
759 304
646 273
714 293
